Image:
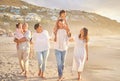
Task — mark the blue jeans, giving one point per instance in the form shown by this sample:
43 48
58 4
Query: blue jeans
42 59
60 57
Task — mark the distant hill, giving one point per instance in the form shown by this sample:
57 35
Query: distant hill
17 3
11 2
97 25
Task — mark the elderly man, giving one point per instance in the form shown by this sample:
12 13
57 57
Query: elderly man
24 49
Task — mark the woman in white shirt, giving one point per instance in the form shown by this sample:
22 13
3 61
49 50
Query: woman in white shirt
41 46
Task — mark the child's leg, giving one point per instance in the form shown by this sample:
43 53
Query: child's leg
55 33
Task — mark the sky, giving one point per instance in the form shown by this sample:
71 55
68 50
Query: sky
108 8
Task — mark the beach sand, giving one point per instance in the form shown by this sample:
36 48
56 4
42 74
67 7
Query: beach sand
103 63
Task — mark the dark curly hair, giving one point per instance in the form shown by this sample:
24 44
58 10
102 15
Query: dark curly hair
62 11
37 25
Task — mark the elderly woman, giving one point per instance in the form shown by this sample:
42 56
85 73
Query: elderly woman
40 41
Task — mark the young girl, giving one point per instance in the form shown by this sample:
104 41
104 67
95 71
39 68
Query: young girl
62 15
80 51
41 45
19 32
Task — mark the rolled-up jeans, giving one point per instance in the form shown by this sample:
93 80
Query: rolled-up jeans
42 59
60 57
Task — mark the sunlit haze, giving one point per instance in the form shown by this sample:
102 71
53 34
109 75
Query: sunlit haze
108 8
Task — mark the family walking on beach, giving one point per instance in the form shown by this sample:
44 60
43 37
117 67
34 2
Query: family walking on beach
41 42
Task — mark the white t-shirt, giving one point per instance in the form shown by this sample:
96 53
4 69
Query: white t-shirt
41 41
62 40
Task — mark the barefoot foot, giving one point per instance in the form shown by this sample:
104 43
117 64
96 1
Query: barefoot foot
60 79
